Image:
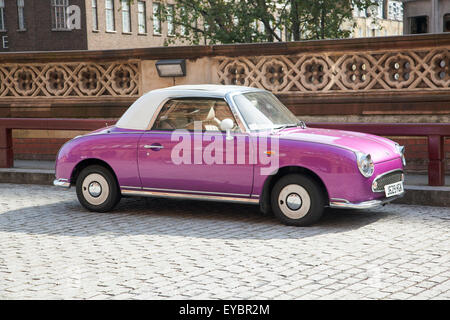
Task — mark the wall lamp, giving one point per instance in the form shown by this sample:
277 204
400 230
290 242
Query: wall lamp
171 68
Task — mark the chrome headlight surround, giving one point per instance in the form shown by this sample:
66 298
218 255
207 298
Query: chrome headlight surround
401 151
365 164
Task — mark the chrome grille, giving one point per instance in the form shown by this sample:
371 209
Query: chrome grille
386 179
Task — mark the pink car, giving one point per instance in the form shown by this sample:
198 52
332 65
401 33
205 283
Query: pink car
230 143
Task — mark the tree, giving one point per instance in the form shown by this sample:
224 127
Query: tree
245 21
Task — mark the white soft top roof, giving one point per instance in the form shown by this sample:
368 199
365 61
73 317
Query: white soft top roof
141 111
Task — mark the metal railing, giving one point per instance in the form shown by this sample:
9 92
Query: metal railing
435 134
7 124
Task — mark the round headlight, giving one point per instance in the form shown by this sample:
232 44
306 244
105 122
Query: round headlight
365 164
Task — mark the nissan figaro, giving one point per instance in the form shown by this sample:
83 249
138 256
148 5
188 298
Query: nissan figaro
230 143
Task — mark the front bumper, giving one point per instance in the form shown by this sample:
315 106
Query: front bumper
64 183
344 204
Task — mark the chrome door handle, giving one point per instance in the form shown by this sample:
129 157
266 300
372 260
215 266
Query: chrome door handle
153 146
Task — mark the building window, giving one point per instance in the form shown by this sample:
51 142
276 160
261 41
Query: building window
447 22
418 24
156 19
20 16
170 24
142 17
2 15
183 29
358 13
59 14
126 18
109 14
395 10
376 10
94 15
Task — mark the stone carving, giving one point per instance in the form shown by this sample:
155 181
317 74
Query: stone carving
69 79
340 72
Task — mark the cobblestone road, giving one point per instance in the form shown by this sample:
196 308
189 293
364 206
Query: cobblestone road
51 248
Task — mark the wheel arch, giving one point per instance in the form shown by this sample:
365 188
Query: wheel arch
264 202
89 162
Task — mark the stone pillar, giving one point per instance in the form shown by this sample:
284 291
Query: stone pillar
434 19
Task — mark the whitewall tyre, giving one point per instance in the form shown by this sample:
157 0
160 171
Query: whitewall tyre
97 189
297 200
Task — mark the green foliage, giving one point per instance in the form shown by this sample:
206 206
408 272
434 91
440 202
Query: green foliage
245 21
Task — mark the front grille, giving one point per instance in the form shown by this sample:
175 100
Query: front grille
386 179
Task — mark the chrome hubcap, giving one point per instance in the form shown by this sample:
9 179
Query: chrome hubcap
95 189
294 201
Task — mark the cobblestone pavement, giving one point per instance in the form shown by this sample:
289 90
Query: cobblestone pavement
51 248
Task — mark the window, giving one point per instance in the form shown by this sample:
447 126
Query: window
447 22
59 14
142 23
94 15
109 13
156 19
20 16
182 113
2 15
262 110
418 24
184 30
357 12
395 10
126 18
170 25
376 10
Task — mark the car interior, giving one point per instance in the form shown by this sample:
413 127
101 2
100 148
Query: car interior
183 113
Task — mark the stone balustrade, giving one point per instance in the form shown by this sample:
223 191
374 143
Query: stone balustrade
387 79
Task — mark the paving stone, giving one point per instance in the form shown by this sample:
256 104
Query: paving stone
51 248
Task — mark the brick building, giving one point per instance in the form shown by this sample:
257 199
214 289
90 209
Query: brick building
103 24
426 16
383 19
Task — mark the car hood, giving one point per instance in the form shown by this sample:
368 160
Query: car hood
379 148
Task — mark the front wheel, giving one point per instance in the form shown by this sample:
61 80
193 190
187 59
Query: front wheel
97 189
297 200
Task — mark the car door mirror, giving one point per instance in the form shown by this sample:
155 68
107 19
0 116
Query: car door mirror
226 125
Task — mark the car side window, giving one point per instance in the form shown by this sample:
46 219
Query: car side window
182 113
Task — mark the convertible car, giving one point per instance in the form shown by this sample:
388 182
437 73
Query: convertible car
230 143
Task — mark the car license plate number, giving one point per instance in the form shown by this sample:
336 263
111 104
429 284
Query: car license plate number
393 189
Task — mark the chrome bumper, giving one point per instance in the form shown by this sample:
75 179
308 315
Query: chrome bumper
344 204
64 183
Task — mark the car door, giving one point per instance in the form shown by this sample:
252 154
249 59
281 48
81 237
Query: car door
181 152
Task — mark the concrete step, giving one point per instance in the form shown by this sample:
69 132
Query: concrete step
417 190
29 172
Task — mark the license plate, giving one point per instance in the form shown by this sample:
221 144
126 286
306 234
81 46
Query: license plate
393 189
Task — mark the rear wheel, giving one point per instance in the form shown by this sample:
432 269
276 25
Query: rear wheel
97 189
297 200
